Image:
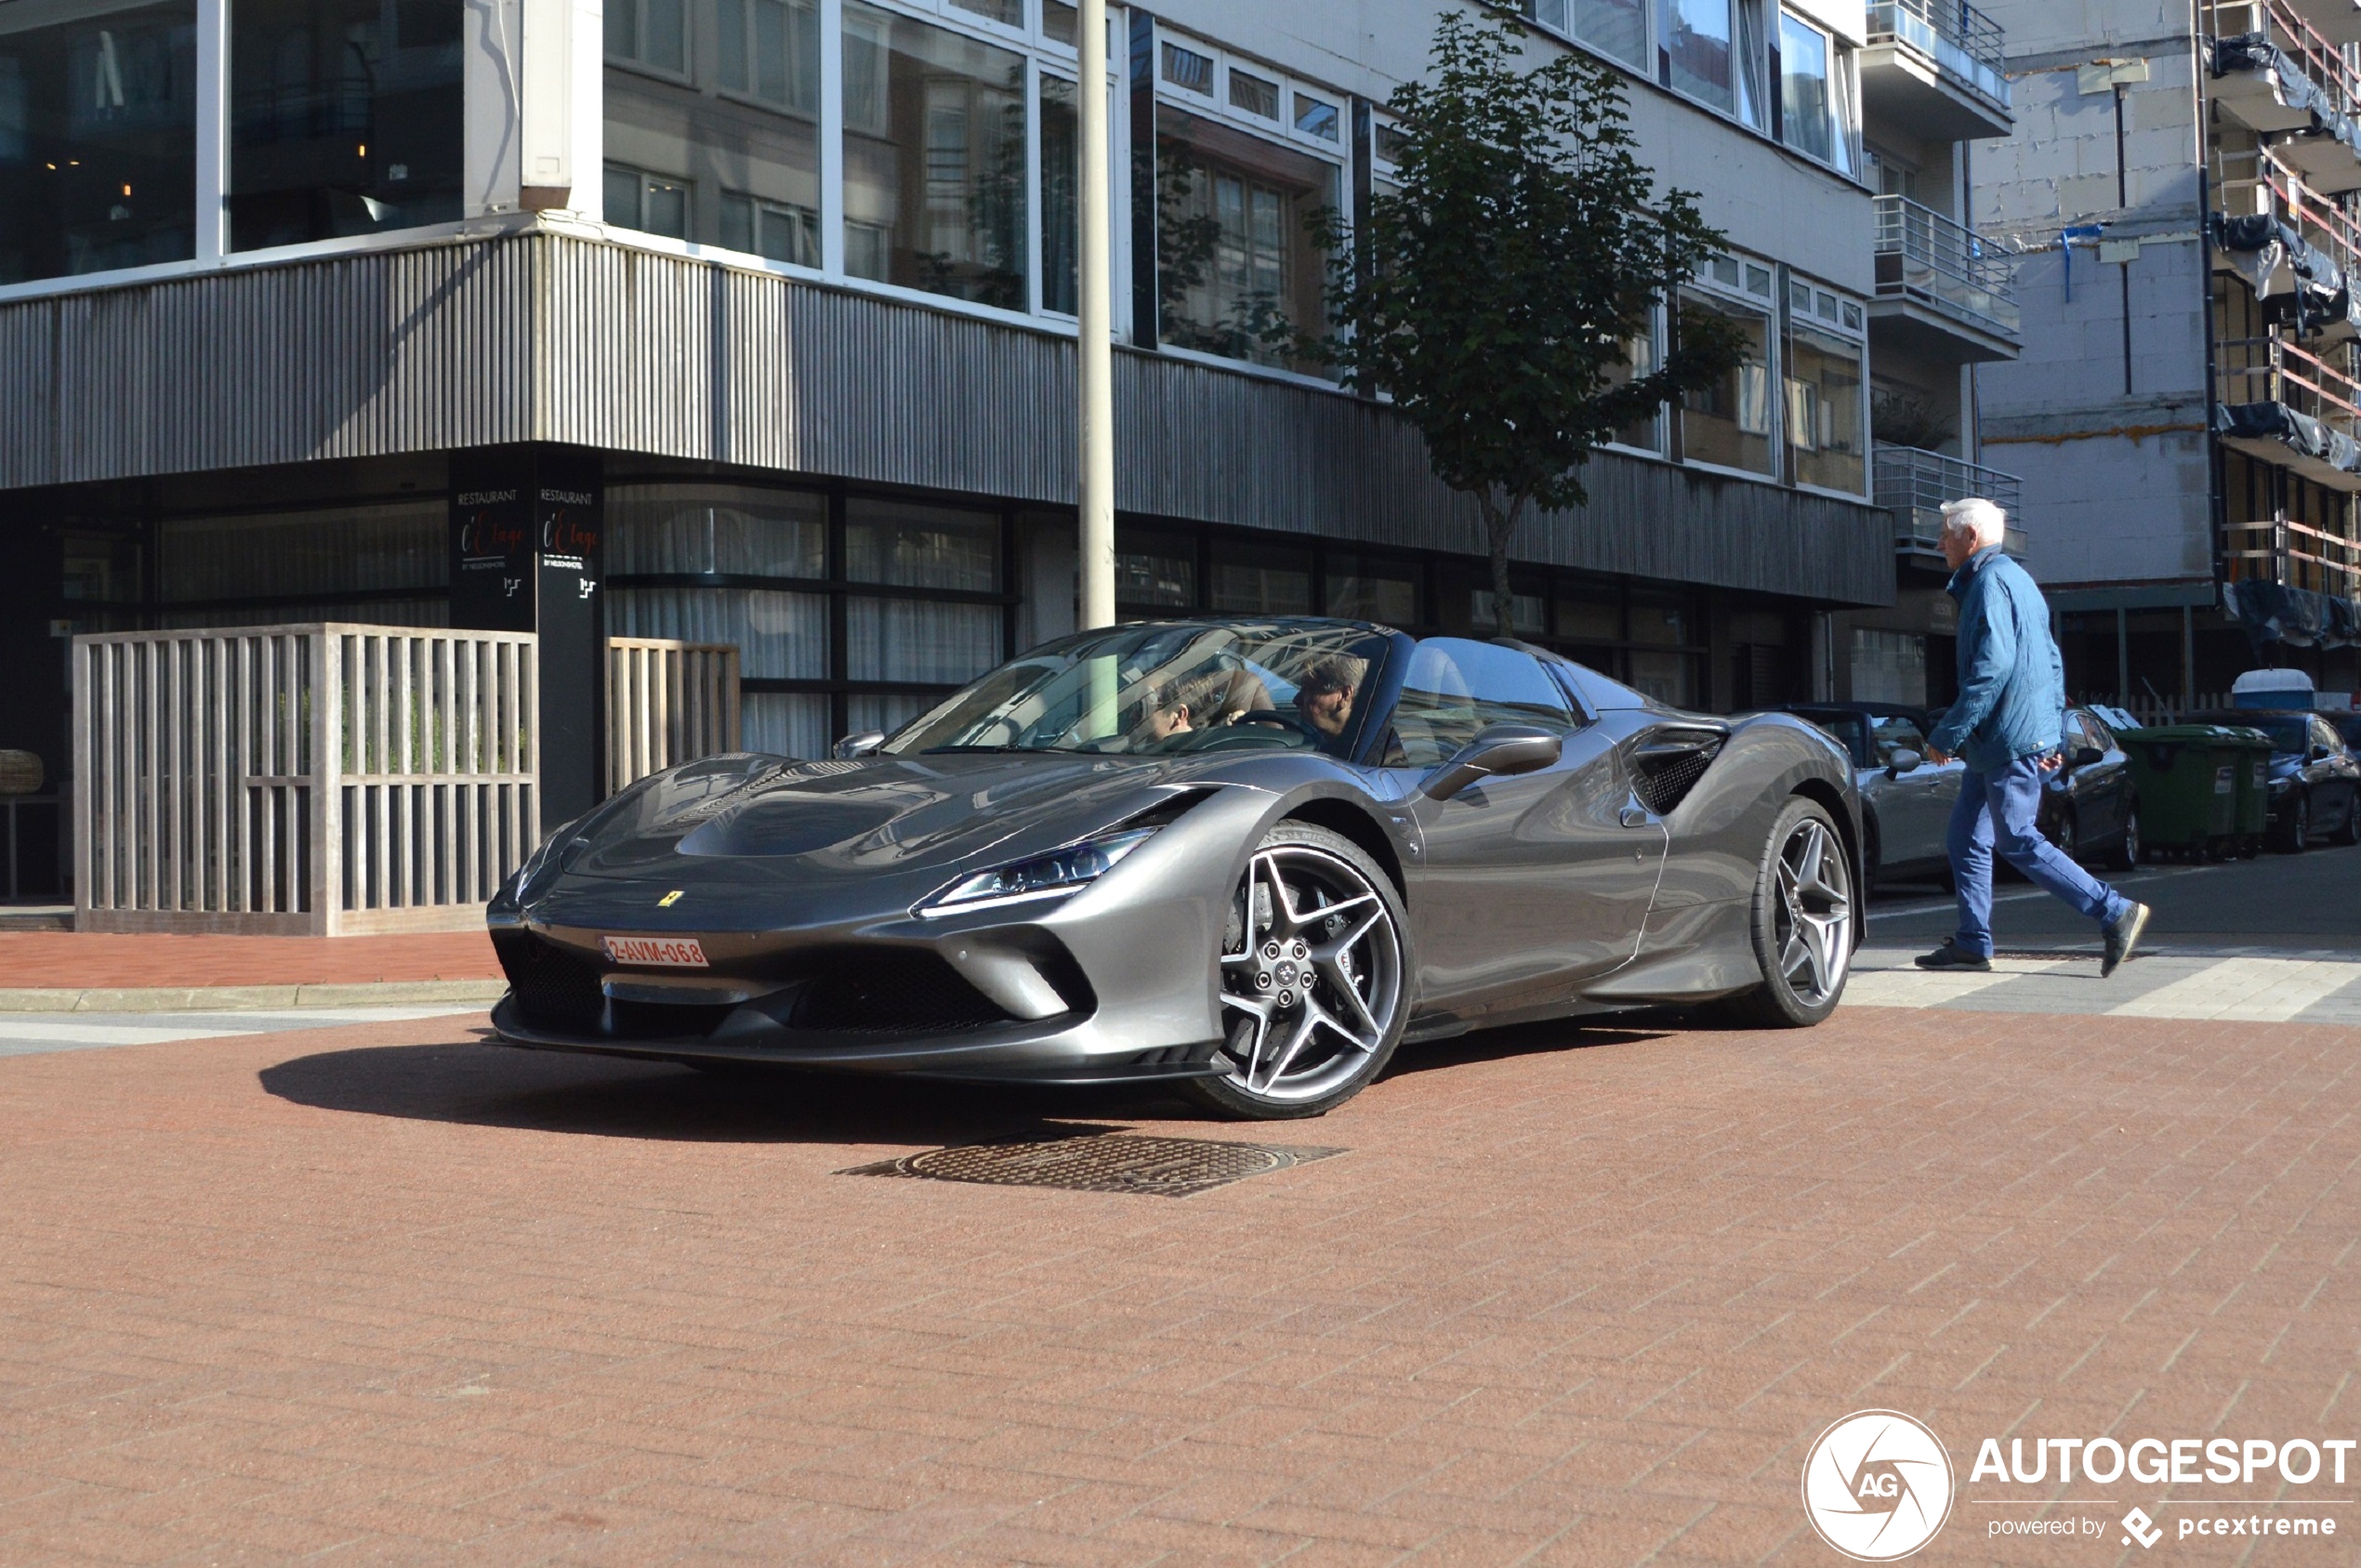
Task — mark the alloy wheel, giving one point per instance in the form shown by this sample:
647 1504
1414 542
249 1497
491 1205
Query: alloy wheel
1813 921
1312 973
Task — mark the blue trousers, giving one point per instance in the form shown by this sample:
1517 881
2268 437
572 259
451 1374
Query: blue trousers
1999 811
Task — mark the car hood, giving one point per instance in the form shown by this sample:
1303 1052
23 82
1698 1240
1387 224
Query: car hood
766 820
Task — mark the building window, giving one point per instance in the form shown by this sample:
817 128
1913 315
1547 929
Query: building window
652 34
97 139
653 204
1262 579
1368 587
1807 108
1060 197
1729 422
775 230
769 50
934 159
1826 418
346 118
1156 571
1645 434
1236 266
386 564
1613 27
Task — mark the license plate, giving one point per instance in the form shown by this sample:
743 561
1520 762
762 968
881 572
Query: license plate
659 953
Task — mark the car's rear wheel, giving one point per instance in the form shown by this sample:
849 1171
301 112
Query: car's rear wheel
1802 921
2065 834
2295 828
1315 978
2128 848
2348 831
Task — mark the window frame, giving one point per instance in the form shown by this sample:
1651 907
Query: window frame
686 75
1850 323
1740 294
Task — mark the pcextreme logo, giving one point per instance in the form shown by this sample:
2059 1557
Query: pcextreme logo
1876 1485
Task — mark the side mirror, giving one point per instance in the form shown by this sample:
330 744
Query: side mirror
1901 760
1499 750
861 744
2085 755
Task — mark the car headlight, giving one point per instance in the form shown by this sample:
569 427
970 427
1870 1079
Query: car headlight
1065 871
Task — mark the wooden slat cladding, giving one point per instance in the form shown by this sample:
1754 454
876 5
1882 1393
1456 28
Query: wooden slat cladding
668 702
552 337
314 780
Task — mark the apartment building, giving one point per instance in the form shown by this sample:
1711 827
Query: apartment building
1934 85
751 320
2179 194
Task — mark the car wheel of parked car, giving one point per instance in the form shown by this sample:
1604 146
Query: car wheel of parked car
2296 831
2065 836
1315 978
2127 850
2348 832
1802 922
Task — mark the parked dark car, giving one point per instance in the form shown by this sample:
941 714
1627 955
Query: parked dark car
2315 784
1906 800
2089 808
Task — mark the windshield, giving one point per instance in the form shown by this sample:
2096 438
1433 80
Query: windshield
1163 687
1847 727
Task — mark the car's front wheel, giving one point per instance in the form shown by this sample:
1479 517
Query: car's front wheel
1802 921
2295 828
1315 978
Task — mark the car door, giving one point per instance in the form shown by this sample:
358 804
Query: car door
2337 794
1915 810
2104 789
1528 884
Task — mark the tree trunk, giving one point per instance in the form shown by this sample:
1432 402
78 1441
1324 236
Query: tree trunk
1499 526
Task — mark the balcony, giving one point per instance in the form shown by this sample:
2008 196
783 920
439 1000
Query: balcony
2291 84
1942 292
1913 485
1936 67
2279 403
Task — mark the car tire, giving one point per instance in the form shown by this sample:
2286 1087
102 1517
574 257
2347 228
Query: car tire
2295 834
2348 832
2128 848
1803 919
1314 996
2065 836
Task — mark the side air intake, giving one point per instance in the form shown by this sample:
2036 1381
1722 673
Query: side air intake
1667 764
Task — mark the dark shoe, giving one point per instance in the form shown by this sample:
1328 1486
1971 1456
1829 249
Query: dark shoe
2123 936
1951 956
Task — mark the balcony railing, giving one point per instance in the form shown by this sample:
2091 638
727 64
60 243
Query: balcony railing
1926 256
1961 40
1913 485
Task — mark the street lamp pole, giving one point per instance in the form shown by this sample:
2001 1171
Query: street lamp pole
1095 358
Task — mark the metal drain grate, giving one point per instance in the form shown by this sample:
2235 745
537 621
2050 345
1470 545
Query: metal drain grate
1165 1167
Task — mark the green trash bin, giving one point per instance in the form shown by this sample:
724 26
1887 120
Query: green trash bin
2188 776
2253 780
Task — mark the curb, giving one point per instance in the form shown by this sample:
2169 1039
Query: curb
247 998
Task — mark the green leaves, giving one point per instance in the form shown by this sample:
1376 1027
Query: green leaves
1495 294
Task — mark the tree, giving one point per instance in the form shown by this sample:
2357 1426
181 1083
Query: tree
1496 294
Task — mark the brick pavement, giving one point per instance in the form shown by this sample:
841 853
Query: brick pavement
385 1296
78 959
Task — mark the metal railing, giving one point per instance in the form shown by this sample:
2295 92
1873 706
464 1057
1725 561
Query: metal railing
1913 485
1961 40
1922 254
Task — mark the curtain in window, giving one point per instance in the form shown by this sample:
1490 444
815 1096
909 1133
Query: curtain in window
901 639
789 724
306 555
678 528
778 636
922 546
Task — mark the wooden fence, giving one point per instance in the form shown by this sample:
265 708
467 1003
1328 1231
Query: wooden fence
667 703
305 780
2149 708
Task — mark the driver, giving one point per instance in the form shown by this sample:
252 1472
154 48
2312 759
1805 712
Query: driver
1179 707
1324 692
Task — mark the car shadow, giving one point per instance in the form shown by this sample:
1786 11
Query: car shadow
543 1091
1530 1039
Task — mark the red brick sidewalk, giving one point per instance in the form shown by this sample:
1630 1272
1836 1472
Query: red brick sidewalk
390 1296
80 959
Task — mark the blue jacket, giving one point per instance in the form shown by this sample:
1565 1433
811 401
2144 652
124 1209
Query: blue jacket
2012 681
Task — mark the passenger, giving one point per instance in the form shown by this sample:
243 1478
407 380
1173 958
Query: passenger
1324 692
1180 707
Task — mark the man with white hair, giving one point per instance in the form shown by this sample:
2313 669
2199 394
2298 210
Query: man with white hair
2006 726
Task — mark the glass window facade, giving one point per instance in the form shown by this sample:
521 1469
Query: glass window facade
97 137
346 117
934 159
1730 422
1060 197
1700 42
1826 414
1236 264
1613 27
1262 580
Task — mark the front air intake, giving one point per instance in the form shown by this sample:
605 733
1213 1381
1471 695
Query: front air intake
1667 764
